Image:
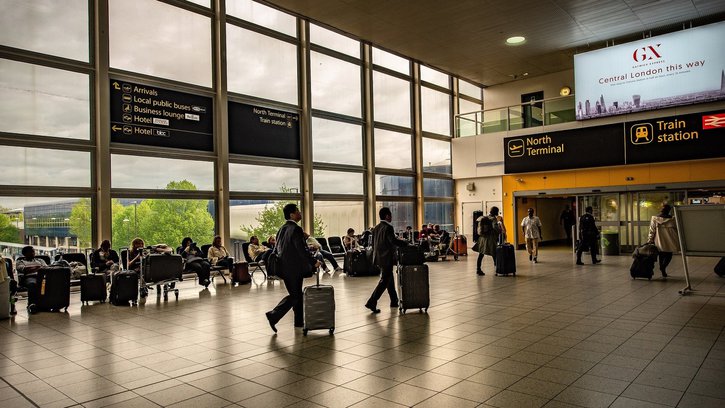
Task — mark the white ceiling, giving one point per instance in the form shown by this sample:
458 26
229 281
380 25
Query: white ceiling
467 37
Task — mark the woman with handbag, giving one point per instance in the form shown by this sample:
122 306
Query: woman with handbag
663 234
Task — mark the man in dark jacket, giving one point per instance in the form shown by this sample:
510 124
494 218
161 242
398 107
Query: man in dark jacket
295 259
588 234
384 243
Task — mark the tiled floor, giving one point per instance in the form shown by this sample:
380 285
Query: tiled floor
556 335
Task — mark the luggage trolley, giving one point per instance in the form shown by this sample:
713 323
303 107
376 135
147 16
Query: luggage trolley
162 270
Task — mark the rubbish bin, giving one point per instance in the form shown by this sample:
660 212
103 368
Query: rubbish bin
610 243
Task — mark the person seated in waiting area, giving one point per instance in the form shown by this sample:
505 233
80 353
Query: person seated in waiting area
408 235
271 242
350 241
366 239
104 258
218 255
443 236
320 254
194 261
27 266
257 251
135 253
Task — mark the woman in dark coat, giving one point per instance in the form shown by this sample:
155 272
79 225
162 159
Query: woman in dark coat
488 232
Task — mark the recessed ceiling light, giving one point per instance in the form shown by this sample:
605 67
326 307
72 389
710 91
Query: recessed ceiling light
516 40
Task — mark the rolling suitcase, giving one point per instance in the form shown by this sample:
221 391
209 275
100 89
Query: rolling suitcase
93 287
162 268
358 264
459 245
720 267
52 292
240 273
505 259
413 287
318 307
643 265
411 255
124 288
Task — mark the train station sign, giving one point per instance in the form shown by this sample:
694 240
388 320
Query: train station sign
568 149
261 131
684 137
153 116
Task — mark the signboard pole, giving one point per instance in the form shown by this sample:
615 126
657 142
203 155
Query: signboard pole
687 289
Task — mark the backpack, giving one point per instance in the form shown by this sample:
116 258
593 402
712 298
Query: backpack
487 226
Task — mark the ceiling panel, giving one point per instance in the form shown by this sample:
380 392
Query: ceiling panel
466 37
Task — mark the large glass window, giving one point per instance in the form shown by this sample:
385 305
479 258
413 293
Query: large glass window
336 142
403 213
435 111
263 179
262 15
335 85
334 41
391 61
391 98
434 77
337 182
467 88
466 106
389 185
27 166
337 216
162 221
46 223
436 156
181 53
261 66
44 101
439 213
161 174
393 150
49 27
263 218
437 187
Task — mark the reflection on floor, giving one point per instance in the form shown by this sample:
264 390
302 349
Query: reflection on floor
556 335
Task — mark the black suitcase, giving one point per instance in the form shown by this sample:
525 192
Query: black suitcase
162 268
358 264
52 292
720 267
124 288
93 287
413 287
411 255
643 265
505 259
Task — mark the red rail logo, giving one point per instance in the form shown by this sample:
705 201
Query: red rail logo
714 121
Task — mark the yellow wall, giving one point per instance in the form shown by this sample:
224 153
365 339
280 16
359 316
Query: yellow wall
675 172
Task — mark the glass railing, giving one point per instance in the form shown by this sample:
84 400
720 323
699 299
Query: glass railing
527 115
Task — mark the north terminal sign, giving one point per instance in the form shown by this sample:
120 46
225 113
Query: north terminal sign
261 131
569 149
152 116
684 137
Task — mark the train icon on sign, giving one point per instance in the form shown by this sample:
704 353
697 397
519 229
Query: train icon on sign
516 148
641 133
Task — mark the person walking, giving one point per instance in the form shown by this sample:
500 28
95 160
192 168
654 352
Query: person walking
489 230
567 220
531 226
384 243
294 260
663 234
588 234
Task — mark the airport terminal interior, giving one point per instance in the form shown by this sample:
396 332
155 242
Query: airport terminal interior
166 119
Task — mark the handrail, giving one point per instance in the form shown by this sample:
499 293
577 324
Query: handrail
536 113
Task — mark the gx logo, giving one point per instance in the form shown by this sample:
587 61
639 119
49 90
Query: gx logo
646 53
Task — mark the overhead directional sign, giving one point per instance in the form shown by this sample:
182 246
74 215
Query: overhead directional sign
684 137
148 115
568 149
260 131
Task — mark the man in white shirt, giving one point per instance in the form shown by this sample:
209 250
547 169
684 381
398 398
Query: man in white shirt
531 226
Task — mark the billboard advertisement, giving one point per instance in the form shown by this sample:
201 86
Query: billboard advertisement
681 68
